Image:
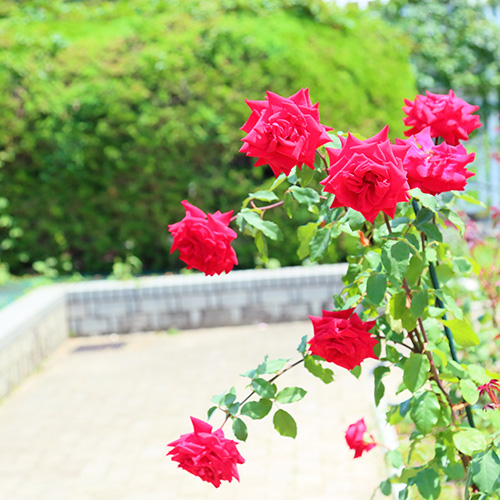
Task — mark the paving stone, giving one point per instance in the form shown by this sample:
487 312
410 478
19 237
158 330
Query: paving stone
94 424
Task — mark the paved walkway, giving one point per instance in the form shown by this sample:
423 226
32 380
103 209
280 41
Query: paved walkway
93 424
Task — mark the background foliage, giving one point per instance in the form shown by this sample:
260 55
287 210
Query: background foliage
113 112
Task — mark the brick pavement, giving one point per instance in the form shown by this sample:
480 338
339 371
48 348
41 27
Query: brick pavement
93 425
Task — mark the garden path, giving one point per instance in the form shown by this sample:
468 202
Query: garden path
93 424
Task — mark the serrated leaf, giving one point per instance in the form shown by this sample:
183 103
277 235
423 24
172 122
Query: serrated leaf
256 409
375 288
240 429
462 331
315 368
290 395
261 244
270 229
278 181
385 487
263 388
379 388
288 204
264 196
469 441
469 391
306 176
432 232
319 243
415 268
272 366
285 424
424 411
400 251
424 216
416 371
302 348
304 195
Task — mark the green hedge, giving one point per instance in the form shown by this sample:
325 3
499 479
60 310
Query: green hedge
113 112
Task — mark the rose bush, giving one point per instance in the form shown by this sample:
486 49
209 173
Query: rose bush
400 281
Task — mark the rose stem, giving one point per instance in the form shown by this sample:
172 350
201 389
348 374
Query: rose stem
386 219
272 379
268 207
439 303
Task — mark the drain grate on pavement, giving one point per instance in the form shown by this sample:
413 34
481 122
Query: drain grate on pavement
99 347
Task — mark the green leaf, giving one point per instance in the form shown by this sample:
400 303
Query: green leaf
272 366
419 302
424 216
263 388
428 484
427 200
285 424
264 196
290 395
400 251
306 176
288 204
417 265
356 371
468 198
319 243
278 181
432 232
454 218
470 440
305 196
395 458
462 331
375 288
240 429
424 411
256 409
303 345
270 229
469 391
379 388
386 488
450 304
261 244
210 411
484 470
305 235
416 371
315 368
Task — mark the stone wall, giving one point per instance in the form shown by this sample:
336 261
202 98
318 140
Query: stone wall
193 301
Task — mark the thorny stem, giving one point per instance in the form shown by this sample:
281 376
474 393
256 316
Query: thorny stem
439 303
435 372
272 379
386 219
268 207
323 159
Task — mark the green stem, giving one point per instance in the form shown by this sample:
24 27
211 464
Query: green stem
439 303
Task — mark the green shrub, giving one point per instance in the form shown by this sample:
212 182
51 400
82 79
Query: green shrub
114 112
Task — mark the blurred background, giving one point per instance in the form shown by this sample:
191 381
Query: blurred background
115 111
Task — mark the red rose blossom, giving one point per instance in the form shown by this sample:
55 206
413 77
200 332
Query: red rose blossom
206 454
341 337
284 131
203 240
355 438
435 169
448 116
367 175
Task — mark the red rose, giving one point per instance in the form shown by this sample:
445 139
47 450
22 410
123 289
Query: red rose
435 169
368 175
206 454
355 437
284 131
448 116
203 240
341 337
